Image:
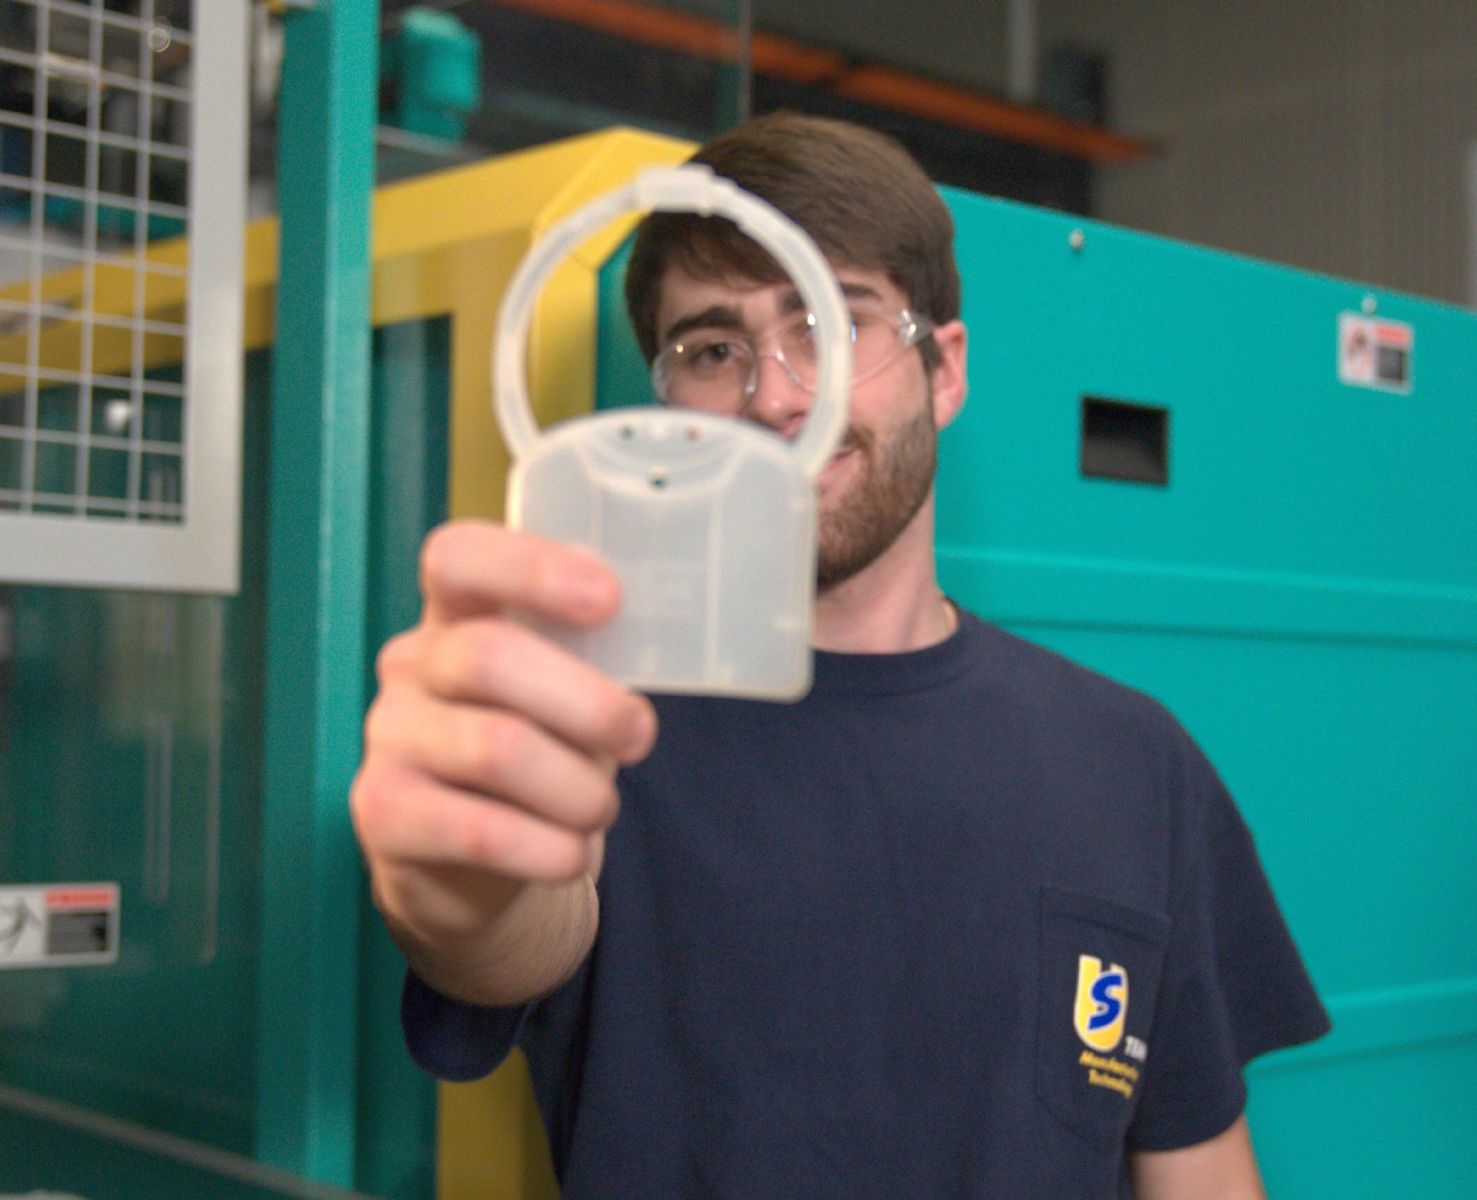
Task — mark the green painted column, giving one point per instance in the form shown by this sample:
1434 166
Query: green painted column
317 555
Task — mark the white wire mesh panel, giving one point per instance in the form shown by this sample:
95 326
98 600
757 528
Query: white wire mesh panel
122 201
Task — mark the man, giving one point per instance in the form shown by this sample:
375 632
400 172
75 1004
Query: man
966 921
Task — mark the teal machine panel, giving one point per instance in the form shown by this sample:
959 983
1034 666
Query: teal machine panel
1160 474
131 747
1301 589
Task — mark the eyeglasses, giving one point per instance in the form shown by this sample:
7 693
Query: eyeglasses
717 370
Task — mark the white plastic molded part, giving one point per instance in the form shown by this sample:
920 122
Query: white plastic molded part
691 188
709 522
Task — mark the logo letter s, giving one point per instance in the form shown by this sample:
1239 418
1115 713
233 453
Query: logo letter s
1102 1003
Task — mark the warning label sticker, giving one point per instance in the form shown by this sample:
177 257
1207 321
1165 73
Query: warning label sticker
1375 353
58 924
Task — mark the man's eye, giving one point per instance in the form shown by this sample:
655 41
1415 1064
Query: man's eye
863 322
802 330
798 338
710 355
803 333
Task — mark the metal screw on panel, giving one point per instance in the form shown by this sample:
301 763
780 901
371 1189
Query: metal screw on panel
1076 239
1370 304
116 415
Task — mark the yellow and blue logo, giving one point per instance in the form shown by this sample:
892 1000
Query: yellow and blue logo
1102 1003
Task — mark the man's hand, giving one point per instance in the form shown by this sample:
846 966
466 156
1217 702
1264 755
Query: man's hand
488 775
1222 1168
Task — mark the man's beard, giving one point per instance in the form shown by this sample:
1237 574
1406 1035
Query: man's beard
889 493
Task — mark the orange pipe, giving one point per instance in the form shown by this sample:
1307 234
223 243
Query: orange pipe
885 87
687 33
905 92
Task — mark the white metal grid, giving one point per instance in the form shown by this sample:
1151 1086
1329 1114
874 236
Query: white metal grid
122 181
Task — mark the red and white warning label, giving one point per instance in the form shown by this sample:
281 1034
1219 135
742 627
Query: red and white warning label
1375 353
58 924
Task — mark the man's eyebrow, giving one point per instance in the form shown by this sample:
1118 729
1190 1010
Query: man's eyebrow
860 291
717 316
722 316
791 302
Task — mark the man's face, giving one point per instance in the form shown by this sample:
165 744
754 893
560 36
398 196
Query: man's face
882 473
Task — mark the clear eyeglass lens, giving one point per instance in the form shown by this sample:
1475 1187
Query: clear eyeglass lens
715 369
707 370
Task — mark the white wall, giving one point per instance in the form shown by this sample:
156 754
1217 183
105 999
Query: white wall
1328 134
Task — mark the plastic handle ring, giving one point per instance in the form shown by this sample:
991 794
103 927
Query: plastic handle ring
691 188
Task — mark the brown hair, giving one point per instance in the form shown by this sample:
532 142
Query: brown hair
858 193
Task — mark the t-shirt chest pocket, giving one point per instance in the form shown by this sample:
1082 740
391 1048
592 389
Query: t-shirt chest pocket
1100 968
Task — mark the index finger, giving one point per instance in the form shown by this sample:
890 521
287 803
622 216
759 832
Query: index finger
475 568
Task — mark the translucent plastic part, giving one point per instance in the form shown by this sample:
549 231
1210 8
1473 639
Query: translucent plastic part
709 522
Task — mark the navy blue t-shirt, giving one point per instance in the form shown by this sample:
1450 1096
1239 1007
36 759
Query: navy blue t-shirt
970 921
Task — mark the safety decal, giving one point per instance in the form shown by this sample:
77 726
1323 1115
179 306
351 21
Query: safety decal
1375 352
58 925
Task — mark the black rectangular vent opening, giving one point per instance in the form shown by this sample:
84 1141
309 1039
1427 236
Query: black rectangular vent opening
1125 441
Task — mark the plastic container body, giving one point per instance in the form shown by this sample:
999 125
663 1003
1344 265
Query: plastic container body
709 522
713 531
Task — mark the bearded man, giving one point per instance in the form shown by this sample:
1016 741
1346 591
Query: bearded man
966 921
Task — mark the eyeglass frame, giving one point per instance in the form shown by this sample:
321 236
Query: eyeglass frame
909 328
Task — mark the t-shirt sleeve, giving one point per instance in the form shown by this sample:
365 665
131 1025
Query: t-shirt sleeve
453 1040
1233 986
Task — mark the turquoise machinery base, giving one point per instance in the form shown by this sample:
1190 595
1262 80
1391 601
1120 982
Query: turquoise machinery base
1301 590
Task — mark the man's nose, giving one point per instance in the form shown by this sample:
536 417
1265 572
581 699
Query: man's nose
780 400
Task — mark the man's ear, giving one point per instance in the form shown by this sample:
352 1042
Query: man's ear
950 377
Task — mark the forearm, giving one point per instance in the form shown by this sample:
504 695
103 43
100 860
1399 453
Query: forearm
521 942
1223 1168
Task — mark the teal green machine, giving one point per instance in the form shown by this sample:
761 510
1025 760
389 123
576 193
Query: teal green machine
1252 493
1298 582
244 1045
136 721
